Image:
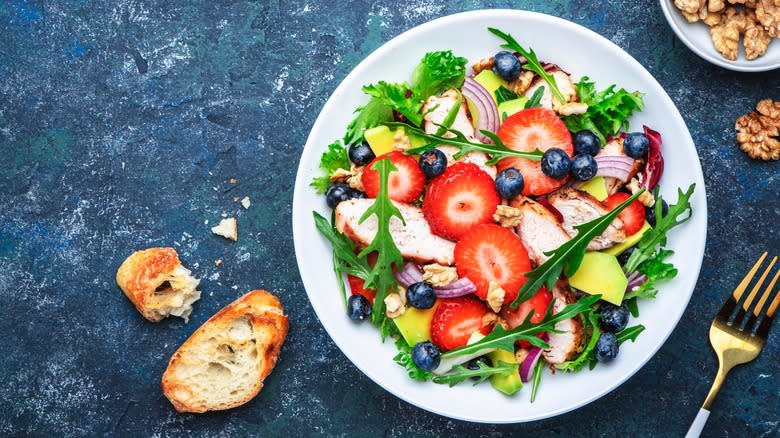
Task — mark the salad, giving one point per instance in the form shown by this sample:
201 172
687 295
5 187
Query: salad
497 220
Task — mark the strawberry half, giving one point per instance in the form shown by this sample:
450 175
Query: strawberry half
536 304
490 252
458 199
455 320
633 216
530 129
357 286
403 185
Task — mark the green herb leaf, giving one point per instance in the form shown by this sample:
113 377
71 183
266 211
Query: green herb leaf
451 115
344 256
590 323
497 151
536 98
656 269
437 72
569 255
404 358
532 62
372 114
503 339
460 373
334 158
503 94
630 333
381 277
537 378
395 97
608 111
678 214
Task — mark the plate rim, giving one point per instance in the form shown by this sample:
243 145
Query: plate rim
744 66
301 184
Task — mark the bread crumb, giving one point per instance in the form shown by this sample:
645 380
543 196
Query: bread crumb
236 198
245 202
227 228
233 180
218 262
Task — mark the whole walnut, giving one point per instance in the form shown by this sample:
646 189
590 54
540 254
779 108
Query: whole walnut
758 132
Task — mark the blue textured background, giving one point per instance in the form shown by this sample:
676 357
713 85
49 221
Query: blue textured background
121 124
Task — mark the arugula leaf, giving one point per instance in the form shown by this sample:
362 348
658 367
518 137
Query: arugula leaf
497 151
569 255
532 62
460 373
396 96
334 158
630 333
608 110
503 339
678 213
437 72
503 94
388 328
344 256
381 276
536 98
372 114
590 322
451 115
656 269
537 378
404 358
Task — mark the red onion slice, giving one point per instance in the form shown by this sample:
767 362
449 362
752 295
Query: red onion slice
655 161
527 367
635 279
409 275
487 117
458 288
613 172
614 166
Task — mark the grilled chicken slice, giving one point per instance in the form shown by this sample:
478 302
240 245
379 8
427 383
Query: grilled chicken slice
415 240
539 229
563 346
439 107
614 147
565 85
578 207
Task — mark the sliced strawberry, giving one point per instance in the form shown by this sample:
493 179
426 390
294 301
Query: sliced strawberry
490 252
530 129
536 304
404 185
633 216
455 320
458 199
356 285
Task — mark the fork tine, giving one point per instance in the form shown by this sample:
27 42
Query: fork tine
754 291
766 323
737 294
760 305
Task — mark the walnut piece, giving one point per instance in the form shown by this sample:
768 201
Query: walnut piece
401 141
647 199
768 13
353 177
689 6
495 296
394 306
520 85
758 133
756 39
483 64
571 108
735 23
708 11
438 275
508 216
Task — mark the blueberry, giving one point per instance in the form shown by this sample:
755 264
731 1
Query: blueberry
650 212
506 65
356 194
636 145
509 183
433 163
361 154
426 356
358 307
555 163
607 347
586 142
623 257
613 318
584 167
337 193
421 295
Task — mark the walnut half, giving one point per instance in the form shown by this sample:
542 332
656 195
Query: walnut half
758 133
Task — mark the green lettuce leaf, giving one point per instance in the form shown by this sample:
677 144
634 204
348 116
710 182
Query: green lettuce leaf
608 110
334 158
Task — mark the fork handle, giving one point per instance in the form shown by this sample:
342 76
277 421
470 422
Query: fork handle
698 424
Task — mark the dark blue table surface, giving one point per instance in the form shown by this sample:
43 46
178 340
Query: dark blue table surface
121 124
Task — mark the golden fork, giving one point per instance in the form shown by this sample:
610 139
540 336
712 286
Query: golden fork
736 340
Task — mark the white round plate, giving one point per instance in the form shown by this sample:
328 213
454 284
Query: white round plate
580 52
697 37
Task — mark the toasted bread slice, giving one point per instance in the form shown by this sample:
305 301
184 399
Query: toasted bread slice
157 284
224 363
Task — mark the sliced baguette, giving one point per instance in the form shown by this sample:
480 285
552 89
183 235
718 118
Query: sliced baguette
224 363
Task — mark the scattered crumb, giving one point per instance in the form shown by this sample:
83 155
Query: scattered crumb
245 202
236 198
227 228
234 287
218 262
224 214
206 222
233 181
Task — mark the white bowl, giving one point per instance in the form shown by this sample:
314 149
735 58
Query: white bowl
581 52
697 37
